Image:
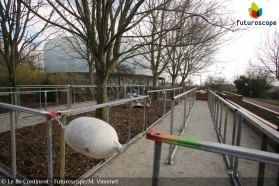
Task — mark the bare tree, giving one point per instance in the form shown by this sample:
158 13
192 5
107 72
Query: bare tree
182 38
151 33
219 83
101 26
196 59
122 68
74 47
18 34
268 52
192 46
254 71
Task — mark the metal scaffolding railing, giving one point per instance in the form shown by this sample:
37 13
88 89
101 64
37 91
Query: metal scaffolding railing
54 115
63 114
115 92
191 94
48 115
165 92
220 110
45 92
233 151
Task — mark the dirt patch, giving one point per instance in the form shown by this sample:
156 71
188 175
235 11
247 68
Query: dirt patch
31 142
265 114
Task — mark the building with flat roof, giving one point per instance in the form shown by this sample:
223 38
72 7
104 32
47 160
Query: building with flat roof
64 54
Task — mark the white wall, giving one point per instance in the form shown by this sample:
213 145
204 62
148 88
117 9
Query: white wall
58 56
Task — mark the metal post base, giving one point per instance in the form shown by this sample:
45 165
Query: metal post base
169 162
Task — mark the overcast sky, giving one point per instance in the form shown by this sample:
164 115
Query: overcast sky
235 56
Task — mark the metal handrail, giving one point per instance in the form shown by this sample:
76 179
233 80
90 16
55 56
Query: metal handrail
94 107
76 86
183 94
214 102
240 152
29 110
30 92
270 132
161 90
49 116
224 101
172 150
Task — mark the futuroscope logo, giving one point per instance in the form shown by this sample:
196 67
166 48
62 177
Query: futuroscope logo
255 12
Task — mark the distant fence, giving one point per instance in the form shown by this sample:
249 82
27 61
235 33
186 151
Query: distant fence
87 92
71 92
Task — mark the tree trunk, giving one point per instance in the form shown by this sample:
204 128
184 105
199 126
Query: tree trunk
91 77
101 95
12 81
12 73
182 84
173 81
155 81
173 78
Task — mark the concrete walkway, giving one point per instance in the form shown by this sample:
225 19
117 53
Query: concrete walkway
134 165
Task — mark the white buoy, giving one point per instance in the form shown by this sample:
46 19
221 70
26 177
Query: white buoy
92 137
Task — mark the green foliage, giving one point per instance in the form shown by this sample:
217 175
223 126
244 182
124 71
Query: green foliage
272 101
25 75
273 95
255 86
64 78
4 76
51 96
